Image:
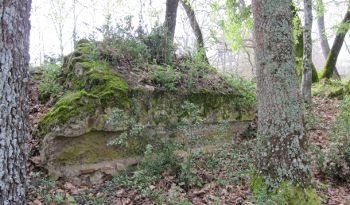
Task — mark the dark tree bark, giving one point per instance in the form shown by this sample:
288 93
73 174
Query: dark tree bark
306 81
196 29
282 141
323 38
169 26
332 58
14 132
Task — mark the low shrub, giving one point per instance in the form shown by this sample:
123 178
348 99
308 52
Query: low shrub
166 77
49 86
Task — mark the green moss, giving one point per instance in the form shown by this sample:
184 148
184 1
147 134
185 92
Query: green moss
286 193
71 105
327 71
89 148
92 148
95 65
108 87
84 48
99 87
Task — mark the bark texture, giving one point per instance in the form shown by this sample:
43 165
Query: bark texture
306 81
323 37
332 57
169 26
282 141
14 60
196 29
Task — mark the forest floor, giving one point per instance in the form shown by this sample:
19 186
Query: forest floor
219 176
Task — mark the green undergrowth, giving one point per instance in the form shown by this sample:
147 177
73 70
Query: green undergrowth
166 77
286 193
49 86
331 89
46 190
228 165
246 88
334 161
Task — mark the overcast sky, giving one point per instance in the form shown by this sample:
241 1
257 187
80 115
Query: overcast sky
90 15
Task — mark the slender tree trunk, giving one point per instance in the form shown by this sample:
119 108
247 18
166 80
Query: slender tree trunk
282 141
332 57
14 76
323 38
75 18
306 81
60 38
299 46
196 29
169 25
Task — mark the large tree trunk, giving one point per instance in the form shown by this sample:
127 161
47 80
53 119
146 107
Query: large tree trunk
282 141
306 81
14 132
169 26
332 58
196 29
323 38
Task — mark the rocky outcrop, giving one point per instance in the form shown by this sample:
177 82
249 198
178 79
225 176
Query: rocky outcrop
102 125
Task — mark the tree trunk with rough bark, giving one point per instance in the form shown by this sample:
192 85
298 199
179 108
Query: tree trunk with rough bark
169 26
323 37
332 57
282 141
196 29
306 81
14 76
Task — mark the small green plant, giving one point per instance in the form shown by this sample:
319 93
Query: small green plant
133 129
166 77
42 188
49 86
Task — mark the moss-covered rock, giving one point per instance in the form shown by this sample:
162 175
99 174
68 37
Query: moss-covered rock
100 108
331 89
74 104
